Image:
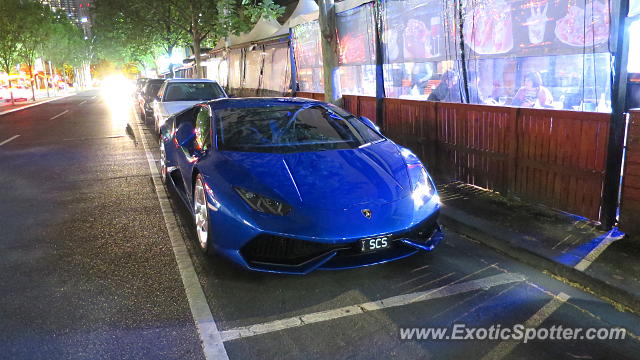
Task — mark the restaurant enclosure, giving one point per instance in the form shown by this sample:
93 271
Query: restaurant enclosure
524 86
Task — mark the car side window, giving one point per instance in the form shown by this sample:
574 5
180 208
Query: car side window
161 92
203 128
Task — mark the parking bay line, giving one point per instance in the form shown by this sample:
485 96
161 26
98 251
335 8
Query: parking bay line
394 301
213 346
597 251
57 116
9 139
504 348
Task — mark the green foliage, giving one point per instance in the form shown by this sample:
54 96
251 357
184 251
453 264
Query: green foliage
131 31
31 30
10 38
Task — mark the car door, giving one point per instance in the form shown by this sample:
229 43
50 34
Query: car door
157 102
189 153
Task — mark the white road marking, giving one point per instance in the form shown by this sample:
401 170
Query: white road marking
213 346
36 104
57 116
593 254
82 103
394 301
9 139
504 348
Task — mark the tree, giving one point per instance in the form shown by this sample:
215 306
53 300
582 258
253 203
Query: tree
129 33
171 22
10 38
35 30
65 45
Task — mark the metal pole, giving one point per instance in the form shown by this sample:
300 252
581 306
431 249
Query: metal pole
612 176
293 82
380 94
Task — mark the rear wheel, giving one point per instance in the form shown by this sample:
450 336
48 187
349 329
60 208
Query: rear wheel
201 213
163 163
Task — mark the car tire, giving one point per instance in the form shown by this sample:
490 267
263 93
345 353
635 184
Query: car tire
201 215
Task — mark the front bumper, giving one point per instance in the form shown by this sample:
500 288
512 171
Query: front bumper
293 256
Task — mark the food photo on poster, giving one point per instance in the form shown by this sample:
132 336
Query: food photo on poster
504 43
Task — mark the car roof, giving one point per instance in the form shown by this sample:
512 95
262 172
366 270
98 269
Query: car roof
189 80
225 103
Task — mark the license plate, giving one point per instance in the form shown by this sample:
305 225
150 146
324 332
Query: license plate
375 244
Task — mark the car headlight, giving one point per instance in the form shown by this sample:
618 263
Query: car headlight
422 189
262 203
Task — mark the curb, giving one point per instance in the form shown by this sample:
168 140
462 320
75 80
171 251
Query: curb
500 240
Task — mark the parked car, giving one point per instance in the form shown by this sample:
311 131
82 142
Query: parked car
147 95
140 85
176 95
293 185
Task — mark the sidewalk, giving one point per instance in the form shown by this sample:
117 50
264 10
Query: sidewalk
569 246
7 107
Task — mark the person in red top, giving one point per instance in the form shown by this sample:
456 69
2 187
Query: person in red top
533 94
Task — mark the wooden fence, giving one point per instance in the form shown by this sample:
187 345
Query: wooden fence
630 204
544 156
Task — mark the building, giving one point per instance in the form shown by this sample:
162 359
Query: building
76 10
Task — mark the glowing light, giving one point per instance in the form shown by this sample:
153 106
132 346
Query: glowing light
84 19
634 47
117 93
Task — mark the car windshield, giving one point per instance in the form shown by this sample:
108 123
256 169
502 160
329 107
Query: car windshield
152 89
192 91
291 128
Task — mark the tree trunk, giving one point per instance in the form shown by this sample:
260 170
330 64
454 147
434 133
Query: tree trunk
33 90
46 80
197 42
170 53
13 101
329 43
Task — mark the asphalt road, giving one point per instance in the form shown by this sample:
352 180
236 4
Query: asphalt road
88 270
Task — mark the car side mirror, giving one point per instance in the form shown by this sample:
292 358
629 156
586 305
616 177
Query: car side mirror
370 124
185 135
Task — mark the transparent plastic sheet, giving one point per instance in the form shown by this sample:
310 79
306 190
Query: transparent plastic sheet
356 41
223 72
235 70
276 76
211 66
634 7
308 56
254 60
420 43
559 46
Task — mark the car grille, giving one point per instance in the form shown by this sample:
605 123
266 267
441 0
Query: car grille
276 250
285 251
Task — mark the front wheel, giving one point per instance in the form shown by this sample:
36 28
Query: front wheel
201 213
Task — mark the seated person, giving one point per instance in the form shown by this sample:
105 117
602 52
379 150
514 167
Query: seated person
449 88
533 94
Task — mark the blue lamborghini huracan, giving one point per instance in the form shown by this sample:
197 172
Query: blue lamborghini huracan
291 185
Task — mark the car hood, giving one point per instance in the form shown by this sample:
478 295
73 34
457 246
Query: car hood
173 107
334 179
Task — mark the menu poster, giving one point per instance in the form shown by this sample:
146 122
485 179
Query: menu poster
414 30
356 37
536 27
306 44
